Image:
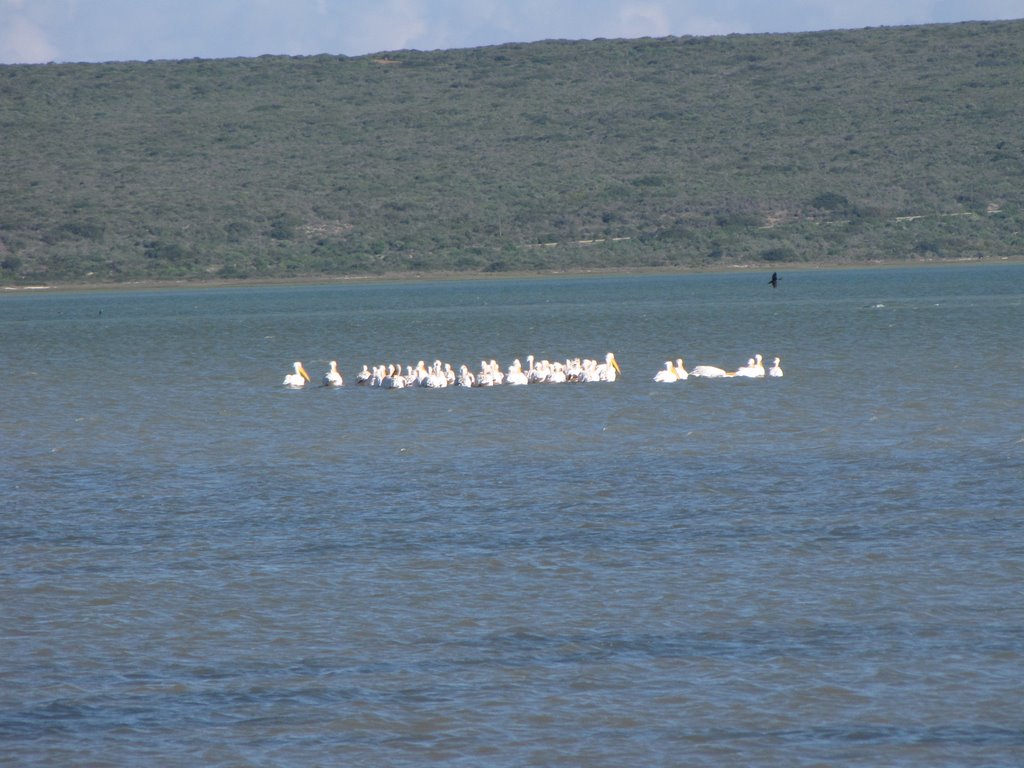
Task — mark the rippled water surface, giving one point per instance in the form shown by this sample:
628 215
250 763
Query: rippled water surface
199 567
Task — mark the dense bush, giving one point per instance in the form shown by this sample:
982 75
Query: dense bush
673 152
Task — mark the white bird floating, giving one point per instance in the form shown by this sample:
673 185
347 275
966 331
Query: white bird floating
515 375
754 369
673 371
435 378
333 377
667 374
591 370
297 379
392 378
709 372
610 370
439 374
465 378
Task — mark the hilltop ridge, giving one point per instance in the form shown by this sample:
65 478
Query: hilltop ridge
835 147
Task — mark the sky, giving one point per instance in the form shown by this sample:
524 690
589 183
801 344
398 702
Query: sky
39 31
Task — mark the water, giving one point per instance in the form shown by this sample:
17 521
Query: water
199 567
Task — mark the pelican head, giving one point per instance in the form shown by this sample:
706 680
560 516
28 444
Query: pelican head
300 370
610 360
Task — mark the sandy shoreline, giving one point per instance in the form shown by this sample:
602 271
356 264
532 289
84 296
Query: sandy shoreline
138 285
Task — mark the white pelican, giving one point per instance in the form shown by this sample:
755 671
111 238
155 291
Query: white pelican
747 371
420 374
364 376
488 375
557 374
754 369
709 372
297 379
608 370
393 378
573 370
588 371
667 374
435 378
681 370
776 370
438 377
538 372
465 378
333 377
494 372
530 368
515 375
758 367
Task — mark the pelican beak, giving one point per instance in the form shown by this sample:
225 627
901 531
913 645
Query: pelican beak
616 364
303 372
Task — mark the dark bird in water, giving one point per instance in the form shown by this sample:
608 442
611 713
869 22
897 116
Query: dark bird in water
774 282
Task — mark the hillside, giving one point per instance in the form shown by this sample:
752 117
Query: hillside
845 146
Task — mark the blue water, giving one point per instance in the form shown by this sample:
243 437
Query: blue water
201 567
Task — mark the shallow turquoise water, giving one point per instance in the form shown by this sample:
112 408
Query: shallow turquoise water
198 566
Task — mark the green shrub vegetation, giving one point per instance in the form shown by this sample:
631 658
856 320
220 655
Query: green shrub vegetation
841 146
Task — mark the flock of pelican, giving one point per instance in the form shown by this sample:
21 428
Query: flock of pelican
438 374
490 373
754 369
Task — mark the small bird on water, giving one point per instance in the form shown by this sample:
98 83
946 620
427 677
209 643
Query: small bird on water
774 282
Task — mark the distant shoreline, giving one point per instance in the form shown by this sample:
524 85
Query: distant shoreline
558 157
130 285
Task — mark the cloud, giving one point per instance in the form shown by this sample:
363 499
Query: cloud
643 21
22 41
117 30
383 26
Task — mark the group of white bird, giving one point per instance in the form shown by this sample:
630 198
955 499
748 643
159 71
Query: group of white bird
754 369
490 373
438 374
